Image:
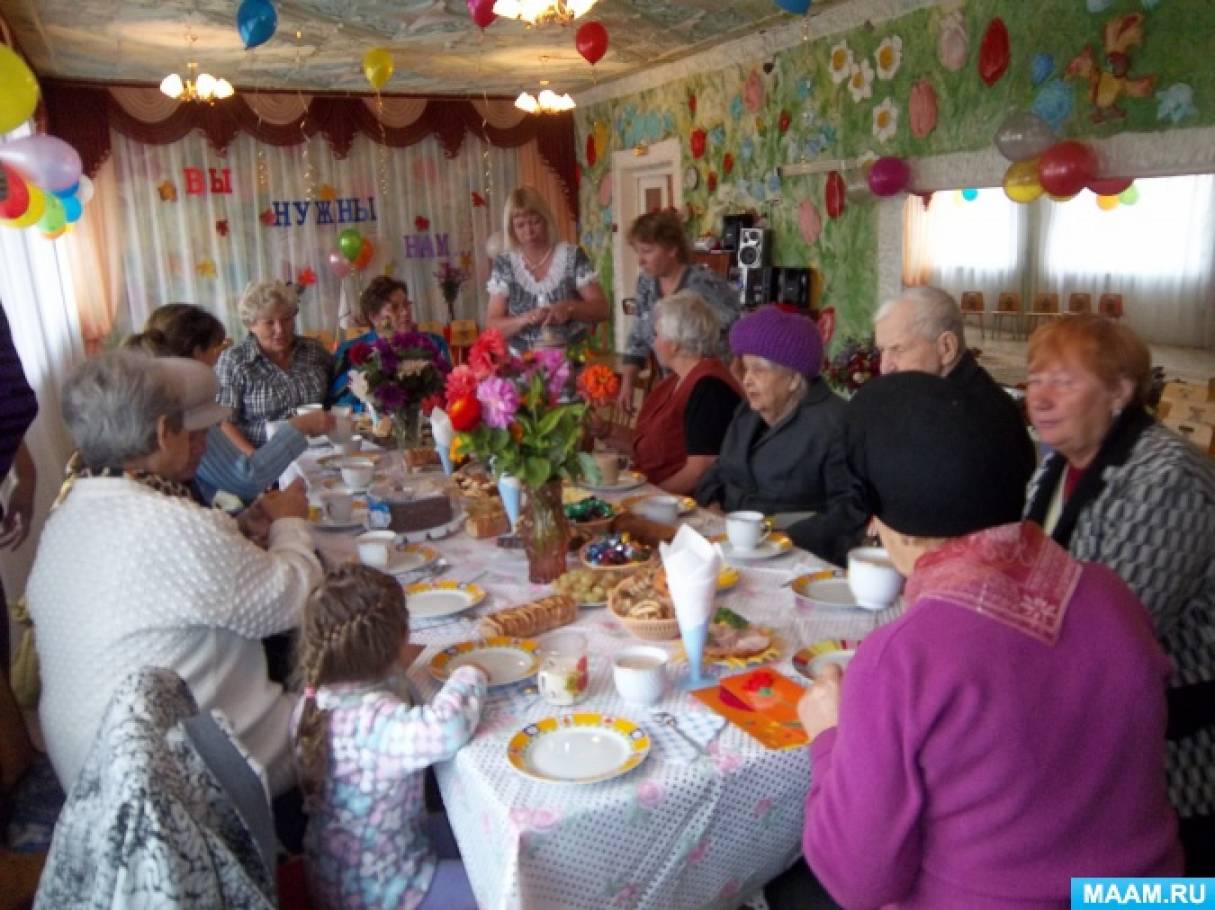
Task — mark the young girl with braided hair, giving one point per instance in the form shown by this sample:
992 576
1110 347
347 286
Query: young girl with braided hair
361 748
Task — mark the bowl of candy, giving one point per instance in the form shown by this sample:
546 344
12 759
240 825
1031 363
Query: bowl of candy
618 554
590 517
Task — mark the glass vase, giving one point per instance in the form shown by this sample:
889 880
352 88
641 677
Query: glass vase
545 533
407 428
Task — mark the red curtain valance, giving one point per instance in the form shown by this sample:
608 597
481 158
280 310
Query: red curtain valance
82 114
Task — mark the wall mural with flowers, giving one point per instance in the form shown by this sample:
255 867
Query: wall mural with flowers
930 82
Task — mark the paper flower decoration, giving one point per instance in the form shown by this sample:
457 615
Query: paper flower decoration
727 164
591 155
885 120
421 223
167 192
478 200
753 91
860 81
1054 103
692 104
221 227
306 278
889 57
326 193
922 109
1041 68
840 63
205 269
711 181
953 44
809 221
266 217
783 123
1175 103
697 143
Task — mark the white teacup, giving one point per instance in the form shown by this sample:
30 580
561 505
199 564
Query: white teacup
353 445
640 673
375 547
609 467
747 530
872 578
337 504
309 408
357 473
662 509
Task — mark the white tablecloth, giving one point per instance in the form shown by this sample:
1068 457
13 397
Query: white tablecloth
667 835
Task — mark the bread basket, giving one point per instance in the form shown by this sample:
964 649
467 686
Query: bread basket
648 629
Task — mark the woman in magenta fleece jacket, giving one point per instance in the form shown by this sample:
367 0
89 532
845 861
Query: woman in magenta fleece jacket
1008 731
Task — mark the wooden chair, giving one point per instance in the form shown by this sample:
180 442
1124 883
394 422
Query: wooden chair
972 305
1008 306
463 333
324 337
1110 306
1045 306
435 328
1079 303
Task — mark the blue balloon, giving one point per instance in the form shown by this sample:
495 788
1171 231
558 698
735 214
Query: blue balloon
256 21
970 194
70 191
797 7
71 209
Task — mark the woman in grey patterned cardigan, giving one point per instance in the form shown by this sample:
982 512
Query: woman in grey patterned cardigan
1122 490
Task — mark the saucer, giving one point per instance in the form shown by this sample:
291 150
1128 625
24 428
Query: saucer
628 480
817 591
409 557
775 544
322 522
812 658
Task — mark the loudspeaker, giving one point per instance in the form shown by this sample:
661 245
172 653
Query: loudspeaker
731 225
794 286
754 250
756 287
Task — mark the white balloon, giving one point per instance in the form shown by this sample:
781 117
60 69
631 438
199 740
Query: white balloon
85 191
494 245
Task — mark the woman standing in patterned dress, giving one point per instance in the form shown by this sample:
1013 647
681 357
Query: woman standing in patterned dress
542 291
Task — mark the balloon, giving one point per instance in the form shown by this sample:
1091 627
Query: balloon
591 39
85 193
256 21
1064 169
55 234
45 160
350 242
856 186
1110 186
70 191
53 218
366 251
1060 197
377 67
18 90
72 209
970 194
338 265
834 194
482 12
994 52
1023 135
1021 181
32 214
797 7
1129 196
1107 203
14 194
889 176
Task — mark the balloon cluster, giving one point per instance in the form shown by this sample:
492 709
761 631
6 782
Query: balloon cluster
887 176
591 38
353 254
41 180
1042 165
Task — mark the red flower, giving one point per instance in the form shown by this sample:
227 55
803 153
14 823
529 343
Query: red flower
465 413
727 164
430 402
306 278
487 352
460 383
221 227
360 353
711 181
783 123
699 137
591 156
266 217
421 223
692 104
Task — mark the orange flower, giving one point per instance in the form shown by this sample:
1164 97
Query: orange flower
516 431
599 384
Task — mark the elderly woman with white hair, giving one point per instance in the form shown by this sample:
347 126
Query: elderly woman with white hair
131 572
543 292
273 371
684 418
784 453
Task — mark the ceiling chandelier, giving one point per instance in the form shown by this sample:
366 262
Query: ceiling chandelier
545 102
542 12
196 86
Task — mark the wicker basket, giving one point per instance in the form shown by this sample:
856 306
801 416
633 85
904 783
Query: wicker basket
647 629
625 571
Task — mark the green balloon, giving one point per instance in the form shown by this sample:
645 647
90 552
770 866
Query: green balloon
350 242
1129 196
54 217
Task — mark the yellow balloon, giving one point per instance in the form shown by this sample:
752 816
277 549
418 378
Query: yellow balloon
1107 203
55 234
34 213
18 90
377 67
1021 181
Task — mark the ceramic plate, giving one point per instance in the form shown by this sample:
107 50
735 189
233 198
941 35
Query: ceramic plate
628 480
333 461
506 660
825 592
775 544
812 658
581 748
727 578
430 599
769 655
320 522
409 557
687 504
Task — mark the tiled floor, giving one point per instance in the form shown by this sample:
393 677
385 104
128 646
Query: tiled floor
1004 358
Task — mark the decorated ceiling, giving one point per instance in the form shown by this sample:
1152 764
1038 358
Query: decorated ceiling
318 44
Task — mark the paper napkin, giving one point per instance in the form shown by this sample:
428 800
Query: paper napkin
692 565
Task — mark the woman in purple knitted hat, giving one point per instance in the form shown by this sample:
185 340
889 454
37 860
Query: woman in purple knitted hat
783 454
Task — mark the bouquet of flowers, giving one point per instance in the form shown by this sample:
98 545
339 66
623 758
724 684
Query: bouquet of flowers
855 363
451 279
396 376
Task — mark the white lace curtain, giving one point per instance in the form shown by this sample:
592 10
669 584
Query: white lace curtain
1158 253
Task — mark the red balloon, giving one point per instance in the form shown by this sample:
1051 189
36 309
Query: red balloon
14 194
482 12
1110 186
1064 169
993 52
836 190
591 39
366 251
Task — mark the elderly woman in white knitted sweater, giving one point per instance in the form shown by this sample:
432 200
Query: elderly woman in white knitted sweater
131 572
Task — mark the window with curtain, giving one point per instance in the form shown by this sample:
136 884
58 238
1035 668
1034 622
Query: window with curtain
1158 253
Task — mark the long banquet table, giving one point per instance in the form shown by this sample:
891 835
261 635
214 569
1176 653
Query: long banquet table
668 834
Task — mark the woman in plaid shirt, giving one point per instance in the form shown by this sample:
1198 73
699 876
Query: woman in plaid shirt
274 370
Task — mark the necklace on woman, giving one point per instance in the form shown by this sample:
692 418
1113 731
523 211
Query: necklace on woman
535 267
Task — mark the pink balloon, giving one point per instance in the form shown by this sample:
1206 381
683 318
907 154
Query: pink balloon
889 176
338 265
44 160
